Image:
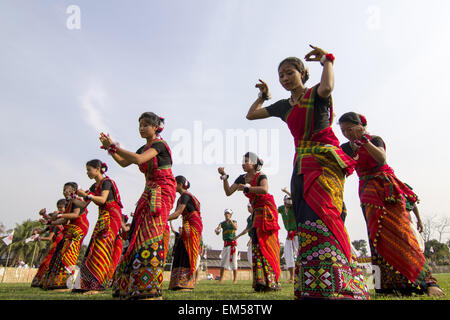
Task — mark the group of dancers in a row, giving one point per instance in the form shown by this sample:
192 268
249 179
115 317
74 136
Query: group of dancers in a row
325 267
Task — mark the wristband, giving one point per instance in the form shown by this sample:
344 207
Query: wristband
59 216
224 177
247 188
264 95
329 56
89 197
364 139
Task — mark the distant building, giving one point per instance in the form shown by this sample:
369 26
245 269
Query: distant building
212 262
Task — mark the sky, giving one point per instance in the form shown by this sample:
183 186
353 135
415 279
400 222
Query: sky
73 69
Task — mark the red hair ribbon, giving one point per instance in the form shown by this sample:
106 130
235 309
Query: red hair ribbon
363 120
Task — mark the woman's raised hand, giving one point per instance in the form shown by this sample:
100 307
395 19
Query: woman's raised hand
105 139
221 171
262 86
316 54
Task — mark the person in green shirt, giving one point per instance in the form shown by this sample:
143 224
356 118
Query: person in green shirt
229 252
291 244
248 229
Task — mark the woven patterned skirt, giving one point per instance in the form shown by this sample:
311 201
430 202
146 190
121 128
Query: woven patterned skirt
322 269
64 260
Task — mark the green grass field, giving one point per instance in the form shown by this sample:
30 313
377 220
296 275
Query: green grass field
205 290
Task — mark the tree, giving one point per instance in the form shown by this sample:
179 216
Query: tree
21 250
437 252
361 246
441 227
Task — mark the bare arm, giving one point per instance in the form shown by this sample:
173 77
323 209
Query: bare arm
378 153
285 190
256 110
47 238
241 234
180 208
326 85
229 190
98 200
419 221
261 189
217 230
124 157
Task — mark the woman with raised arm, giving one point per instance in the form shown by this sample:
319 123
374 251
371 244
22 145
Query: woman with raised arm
55 235
395 250
265 244
140 272
317 182
76 225
98 265
187 251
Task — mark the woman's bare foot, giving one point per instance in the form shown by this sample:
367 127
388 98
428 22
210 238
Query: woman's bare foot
92 292
435 292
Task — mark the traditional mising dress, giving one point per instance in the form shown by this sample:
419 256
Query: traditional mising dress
140 271
64 260
186 251
264 234
325 267
395 251
57 237
99 264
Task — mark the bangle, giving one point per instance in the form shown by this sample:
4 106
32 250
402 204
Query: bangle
247 188
364 139
327 57
112 148
264 95
59 216
224 177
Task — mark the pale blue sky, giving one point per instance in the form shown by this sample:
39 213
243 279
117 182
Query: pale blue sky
199 61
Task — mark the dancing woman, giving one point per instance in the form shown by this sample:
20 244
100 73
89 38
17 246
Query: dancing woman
76 225
98 265
394 246
317 182
265 244
140 272
186 252
55 235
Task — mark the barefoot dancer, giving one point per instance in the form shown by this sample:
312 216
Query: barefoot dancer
98 266
140 272
55 235
187 251
317 181
394 247
76 225
265 244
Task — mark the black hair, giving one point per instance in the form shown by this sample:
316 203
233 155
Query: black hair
353 117
98 164
253 157
183 181
153 120
61 202
71 184
299 65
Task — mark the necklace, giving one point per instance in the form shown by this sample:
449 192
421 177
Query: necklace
300 97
